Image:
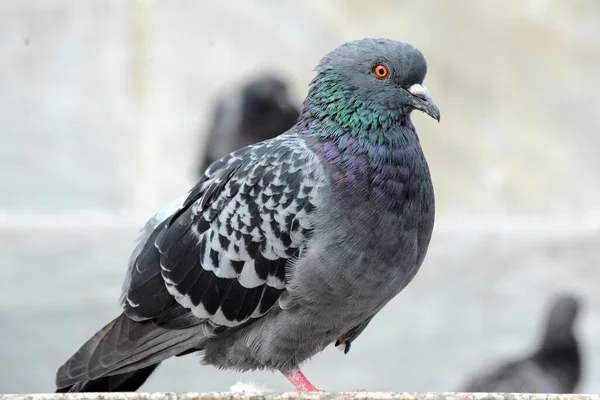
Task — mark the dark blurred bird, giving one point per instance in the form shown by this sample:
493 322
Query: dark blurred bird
555 367
286 246
260 110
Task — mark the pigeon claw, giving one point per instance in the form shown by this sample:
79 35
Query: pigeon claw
347 348
346 342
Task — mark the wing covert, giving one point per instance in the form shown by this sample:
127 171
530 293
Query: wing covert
223 254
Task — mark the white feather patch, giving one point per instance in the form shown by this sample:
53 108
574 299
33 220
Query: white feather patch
199 310
275 282
220 319
248 277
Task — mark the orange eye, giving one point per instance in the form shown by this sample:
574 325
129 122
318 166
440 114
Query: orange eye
381 71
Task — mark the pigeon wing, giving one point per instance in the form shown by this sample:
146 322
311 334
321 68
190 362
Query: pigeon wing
223 254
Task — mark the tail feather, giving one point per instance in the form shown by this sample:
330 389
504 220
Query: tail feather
123 348
127 382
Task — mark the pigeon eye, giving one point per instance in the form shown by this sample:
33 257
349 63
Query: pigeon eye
381 71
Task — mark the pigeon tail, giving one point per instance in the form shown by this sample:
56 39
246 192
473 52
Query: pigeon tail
126 382
122 355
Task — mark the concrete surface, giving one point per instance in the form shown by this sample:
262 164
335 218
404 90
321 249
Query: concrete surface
293 395
101 103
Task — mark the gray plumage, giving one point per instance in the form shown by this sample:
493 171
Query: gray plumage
261 109
554 367
285 246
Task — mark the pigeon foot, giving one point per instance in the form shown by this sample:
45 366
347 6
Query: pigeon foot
300 382
343 340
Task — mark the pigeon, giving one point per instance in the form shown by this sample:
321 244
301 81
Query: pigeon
555 367
260 110
285 246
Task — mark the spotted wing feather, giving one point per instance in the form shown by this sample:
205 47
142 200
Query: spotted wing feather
223 254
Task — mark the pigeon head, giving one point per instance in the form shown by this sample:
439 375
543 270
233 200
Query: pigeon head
267 109
559 351
371 81
561 320
265 92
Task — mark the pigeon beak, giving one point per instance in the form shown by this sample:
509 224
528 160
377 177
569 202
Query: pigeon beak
423 102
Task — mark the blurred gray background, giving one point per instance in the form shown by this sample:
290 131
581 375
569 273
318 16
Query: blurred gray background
102 106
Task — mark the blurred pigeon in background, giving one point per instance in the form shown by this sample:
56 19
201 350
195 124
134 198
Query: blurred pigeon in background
286 246
555 367
260 110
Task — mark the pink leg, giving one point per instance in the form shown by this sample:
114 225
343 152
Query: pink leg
300 382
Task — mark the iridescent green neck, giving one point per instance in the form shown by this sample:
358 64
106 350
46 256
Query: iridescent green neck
333 102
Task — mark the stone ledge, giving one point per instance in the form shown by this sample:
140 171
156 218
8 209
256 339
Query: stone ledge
296 395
